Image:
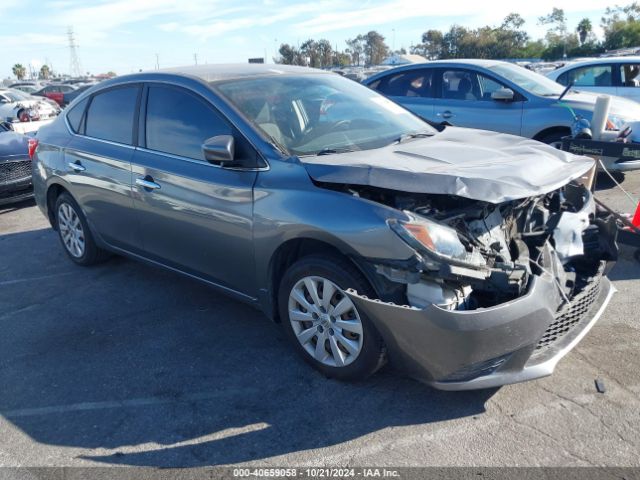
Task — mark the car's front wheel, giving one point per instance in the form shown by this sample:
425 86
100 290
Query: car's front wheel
74 232
324 324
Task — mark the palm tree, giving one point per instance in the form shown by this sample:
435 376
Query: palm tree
19 71
45 72
584 29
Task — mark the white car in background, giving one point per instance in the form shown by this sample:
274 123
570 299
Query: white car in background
608 75
19 106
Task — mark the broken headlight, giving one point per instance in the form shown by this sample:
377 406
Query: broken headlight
436 239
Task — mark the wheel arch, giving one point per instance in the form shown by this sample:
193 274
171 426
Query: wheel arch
54 190
551 130
293 250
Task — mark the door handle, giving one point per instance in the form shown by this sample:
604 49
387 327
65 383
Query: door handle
147 184
445 114
76 167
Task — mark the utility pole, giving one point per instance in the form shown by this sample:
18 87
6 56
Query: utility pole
195 58
157 62
74 61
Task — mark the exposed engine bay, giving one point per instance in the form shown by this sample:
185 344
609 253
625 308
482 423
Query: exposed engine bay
474 254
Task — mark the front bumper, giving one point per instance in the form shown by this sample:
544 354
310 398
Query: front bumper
519 340
15 181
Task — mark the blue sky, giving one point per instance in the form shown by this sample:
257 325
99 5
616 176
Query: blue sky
125 35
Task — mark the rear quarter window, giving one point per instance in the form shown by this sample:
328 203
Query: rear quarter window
75 115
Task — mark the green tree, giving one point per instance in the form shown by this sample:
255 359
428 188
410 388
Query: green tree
584 29
289 55
356 49
325 52
375 48
310 53
621 26
45 72
431 46
557 36
19 71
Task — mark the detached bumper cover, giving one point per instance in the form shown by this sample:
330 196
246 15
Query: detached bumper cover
487 347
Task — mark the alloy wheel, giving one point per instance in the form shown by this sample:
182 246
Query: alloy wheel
71 230
325 321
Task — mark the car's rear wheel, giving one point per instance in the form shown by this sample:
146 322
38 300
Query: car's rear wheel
324 324
74 232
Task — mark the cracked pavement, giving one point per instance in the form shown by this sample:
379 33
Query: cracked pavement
125 364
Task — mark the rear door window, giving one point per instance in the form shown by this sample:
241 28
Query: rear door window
413 83
630 75
591 76
111 115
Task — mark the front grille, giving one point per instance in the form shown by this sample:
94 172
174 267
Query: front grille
14 171
569 316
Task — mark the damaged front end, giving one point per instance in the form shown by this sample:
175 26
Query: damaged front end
496 293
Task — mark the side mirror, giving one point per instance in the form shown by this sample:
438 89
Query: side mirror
219 149
503 95
3 100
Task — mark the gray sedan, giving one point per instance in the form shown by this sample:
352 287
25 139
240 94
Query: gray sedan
497 96
467 258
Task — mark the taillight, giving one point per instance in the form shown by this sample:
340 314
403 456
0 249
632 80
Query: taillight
33 144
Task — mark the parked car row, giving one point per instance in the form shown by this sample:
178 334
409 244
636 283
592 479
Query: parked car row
61 93
20 106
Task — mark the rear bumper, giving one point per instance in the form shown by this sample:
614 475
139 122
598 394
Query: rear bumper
520 340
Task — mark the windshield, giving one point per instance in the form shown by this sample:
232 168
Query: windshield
324 113
532 82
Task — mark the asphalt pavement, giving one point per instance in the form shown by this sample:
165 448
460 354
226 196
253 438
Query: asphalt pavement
126 364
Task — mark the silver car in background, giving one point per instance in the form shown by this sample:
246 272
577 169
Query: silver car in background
608 75
498 96
467 258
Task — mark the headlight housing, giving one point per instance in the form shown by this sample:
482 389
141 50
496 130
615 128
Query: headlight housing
436 240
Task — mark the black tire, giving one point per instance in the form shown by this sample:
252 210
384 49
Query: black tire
554 139
91 253
340 272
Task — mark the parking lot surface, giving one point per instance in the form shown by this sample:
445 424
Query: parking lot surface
125 364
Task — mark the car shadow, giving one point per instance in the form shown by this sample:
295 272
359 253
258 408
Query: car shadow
604 181
137 366
15 206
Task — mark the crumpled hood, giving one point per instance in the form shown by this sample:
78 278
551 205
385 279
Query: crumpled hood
476 164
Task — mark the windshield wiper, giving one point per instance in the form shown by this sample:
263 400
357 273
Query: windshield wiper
330 151
565 91
408 136
277 144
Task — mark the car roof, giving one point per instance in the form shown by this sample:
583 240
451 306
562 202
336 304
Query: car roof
474 62
219 72
595 61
